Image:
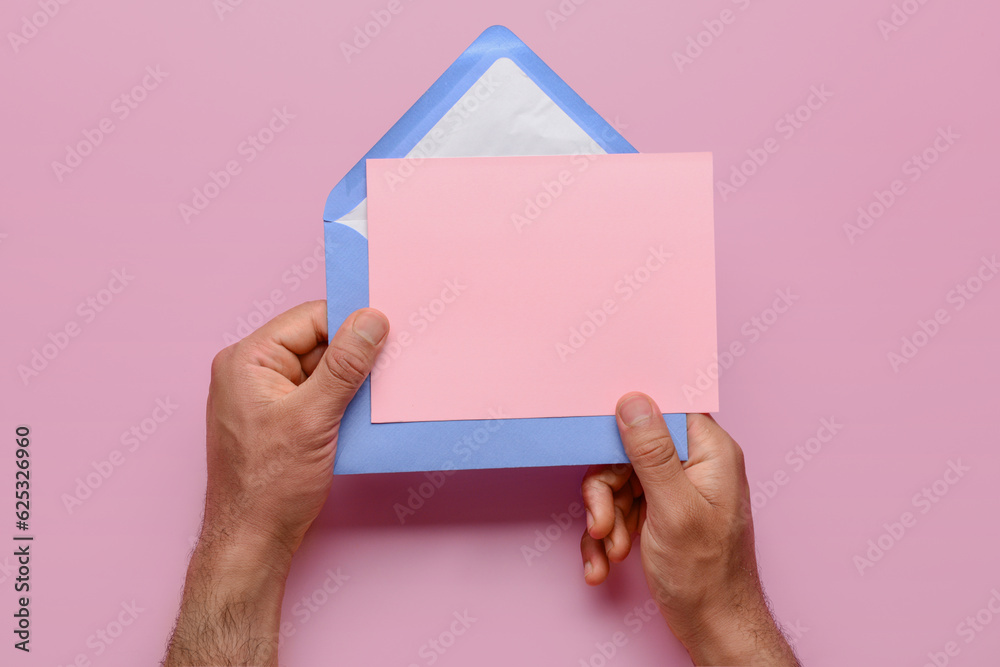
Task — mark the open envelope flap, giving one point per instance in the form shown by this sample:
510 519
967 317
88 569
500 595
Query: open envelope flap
497 443
489 52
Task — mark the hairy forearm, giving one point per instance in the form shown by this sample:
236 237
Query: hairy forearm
745 635
231 608
757 643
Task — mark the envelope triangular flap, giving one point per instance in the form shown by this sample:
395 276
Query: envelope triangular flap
497 99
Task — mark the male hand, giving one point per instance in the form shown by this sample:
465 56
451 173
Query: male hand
275 405
696 535
274 409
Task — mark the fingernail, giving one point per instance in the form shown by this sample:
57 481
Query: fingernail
635 411
371 327
609 544
587 569
590 521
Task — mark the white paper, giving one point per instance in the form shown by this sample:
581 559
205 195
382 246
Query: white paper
505 113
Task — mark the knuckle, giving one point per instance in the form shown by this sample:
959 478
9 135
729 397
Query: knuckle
620 469
595 485
221 361
705 429
738 456
349 366
653 450
620 515
623 503
698 426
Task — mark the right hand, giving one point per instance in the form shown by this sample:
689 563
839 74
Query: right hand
696 531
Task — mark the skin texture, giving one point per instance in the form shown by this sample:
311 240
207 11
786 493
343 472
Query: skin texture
274 409
696 535
275 405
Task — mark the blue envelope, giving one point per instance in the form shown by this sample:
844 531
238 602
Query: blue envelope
498 98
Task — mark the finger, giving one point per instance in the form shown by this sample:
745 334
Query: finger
619 542
348 360
624 498
712 449
632 518
598 488
636 485
310 360
595 560
280 343
649 446
298 330
706 439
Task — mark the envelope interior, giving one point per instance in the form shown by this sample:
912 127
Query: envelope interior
504 113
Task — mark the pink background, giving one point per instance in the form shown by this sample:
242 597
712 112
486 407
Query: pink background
783 230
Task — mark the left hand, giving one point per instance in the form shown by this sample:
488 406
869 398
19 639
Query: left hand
275 405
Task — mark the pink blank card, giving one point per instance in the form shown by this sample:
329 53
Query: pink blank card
543 286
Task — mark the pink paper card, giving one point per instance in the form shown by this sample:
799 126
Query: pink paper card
543 286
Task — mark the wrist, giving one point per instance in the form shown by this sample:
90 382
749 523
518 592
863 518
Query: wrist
741 633
241 556
723 639
231 610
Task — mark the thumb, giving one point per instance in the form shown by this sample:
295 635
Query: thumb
651 450
346 363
